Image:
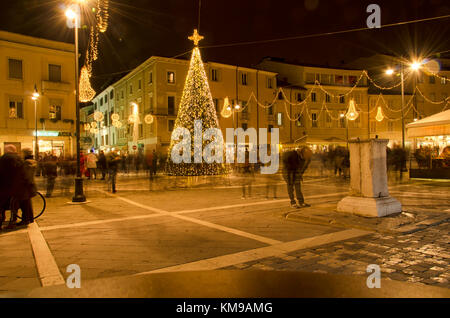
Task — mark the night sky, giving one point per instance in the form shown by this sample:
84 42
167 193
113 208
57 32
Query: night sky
139 29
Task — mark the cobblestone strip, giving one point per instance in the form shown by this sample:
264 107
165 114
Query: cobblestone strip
48 270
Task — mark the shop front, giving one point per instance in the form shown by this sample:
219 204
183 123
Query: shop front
56 143
430 157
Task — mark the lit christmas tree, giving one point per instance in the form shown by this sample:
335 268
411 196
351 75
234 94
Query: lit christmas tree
196 104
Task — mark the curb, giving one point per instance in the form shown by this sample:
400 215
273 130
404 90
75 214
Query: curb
407 229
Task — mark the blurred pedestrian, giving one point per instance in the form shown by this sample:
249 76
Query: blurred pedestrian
102 164
247 175
83 169
271 184
50 174
11 173
67 174
28 187
295 162
91 164
113 161
154 163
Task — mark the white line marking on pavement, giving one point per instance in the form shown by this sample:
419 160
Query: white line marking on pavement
431 194
259 203
204 223
260 253
13 232
64 226
48 270
160 213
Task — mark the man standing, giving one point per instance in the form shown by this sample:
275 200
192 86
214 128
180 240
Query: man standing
295 163
91 164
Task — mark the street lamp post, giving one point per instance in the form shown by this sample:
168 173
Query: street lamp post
36 148
403 106
415 66
79 195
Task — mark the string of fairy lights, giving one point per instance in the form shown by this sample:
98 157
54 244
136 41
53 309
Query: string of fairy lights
350 112
86 92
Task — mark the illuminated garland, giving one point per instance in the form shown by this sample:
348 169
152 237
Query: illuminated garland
102 15
86 93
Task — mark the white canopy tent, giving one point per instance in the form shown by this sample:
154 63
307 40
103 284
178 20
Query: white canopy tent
434 125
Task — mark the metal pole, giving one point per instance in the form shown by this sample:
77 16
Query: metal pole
346 125
368 118
403 105
79 195
36 149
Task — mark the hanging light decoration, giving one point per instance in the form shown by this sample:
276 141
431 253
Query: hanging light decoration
379 116
86 91
102 15
148 119
98 116
94 124
352 113
226 110
117 123
115 117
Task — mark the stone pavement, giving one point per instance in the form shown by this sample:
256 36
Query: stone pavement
421 257
206 225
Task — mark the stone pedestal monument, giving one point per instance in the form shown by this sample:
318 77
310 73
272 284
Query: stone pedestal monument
369 195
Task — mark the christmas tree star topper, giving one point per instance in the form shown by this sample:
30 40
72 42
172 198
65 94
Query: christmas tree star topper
196 37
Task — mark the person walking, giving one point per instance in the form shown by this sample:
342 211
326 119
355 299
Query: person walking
91 164
295 162
113 161
11 174
102 164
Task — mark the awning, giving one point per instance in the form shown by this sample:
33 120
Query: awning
434 125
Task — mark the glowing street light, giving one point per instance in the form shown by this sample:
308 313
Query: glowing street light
70 14
35 97
414 66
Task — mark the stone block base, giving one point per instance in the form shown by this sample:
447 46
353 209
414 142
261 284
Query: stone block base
372 207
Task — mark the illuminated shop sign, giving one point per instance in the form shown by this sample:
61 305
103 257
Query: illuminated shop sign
49 133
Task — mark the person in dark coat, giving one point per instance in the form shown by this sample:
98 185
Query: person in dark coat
11 174
28 186
102 164
295 163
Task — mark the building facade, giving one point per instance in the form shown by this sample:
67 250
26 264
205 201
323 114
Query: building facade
25 63
317 112
307 103
156 87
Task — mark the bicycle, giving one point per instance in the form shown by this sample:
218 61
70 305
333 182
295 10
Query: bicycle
38 203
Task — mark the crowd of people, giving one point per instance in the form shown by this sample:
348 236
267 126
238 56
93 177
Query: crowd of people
17 186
